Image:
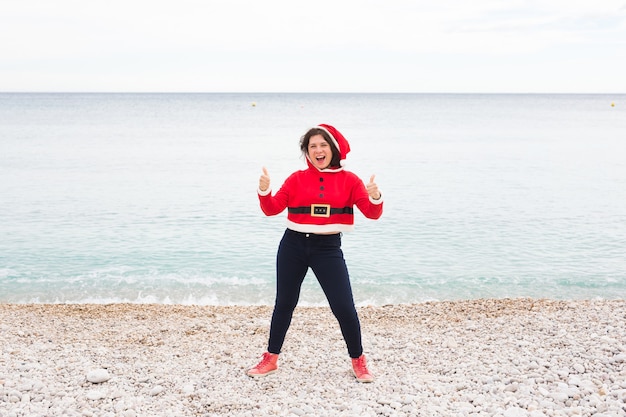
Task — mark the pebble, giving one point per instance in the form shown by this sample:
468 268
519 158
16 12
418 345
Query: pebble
98 376
463 358
515 412
95 395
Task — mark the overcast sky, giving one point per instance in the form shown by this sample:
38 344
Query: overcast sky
317 46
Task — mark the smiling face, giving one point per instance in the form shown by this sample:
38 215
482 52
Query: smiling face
320 152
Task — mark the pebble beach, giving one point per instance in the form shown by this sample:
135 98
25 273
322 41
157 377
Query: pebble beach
488 357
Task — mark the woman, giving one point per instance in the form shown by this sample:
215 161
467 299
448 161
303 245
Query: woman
320 201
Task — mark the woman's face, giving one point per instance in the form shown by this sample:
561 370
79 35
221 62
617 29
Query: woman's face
320 152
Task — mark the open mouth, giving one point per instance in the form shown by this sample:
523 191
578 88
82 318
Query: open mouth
320 159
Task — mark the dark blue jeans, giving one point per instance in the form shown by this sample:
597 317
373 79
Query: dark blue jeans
322 253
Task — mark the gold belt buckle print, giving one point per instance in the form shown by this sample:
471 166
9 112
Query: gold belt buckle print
320 210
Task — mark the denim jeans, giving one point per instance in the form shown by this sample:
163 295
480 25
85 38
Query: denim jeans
297 253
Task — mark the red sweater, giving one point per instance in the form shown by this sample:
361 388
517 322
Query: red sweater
321 202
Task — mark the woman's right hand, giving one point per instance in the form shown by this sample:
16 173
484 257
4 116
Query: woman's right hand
264 181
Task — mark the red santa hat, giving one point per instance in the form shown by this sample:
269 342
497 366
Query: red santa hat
340 142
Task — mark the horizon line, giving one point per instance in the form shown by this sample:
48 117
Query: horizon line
310 92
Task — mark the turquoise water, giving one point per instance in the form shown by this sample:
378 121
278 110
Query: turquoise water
151 197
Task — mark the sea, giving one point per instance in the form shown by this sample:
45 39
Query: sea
151 198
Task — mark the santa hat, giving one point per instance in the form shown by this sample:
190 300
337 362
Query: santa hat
340 142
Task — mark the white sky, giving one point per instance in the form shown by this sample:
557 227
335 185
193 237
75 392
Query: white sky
318 46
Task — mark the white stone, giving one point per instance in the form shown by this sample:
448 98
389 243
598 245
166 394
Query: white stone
116 394
515 412
560 397
98 376
425 378
512 387
574 380
478 400
95 395
451 343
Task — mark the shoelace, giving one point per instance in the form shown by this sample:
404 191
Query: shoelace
361 366
265 361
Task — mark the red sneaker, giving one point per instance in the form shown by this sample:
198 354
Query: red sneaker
359 366
268 365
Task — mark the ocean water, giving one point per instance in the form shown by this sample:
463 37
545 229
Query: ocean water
151 198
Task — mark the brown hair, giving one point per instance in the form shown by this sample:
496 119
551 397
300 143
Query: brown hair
304 144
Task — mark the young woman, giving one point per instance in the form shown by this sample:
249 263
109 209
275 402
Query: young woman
319 201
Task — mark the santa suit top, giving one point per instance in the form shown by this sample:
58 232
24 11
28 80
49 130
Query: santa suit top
322 201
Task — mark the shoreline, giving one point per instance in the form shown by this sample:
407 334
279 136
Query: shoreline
501 357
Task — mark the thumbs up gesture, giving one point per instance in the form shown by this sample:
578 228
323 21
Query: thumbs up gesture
372 189
264 181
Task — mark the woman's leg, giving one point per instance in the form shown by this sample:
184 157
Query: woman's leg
291 268
329 266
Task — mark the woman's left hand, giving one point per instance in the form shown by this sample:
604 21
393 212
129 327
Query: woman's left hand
372 189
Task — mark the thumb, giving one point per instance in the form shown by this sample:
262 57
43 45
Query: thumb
372 178
265 172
